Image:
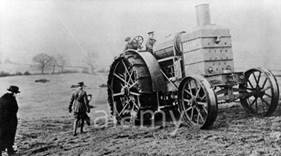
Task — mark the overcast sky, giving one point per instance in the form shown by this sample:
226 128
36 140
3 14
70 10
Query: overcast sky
75 27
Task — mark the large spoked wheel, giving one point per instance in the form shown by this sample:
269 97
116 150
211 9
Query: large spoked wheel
260 92
129 88
197 102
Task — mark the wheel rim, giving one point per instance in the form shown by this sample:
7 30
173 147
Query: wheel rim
262 92
125 94
194 103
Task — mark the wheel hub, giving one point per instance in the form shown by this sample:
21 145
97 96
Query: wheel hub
258 92
193 102
126 91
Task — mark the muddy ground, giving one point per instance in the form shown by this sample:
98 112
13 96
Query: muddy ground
234 133
45 128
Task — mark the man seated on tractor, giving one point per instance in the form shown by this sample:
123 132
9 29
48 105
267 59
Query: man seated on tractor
134 43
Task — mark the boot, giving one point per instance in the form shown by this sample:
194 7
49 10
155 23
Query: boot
88 120
82 126
75 124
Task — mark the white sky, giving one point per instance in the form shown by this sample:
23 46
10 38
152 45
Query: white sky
74 27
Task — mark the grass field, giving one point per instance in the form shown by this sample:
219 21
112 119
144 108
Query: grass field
51 99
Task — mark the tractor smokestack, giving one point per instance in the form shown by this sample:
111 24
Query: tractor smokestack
203 14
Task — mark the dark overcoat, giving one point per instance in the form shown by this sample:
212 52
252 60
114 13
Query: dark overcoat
8 120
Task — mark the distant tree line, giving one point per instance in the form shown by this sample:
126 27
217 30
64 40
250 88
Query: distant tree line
46 62
4 73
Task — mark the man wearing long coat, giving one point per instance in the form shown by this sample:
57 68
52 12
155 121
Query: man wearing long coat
8 120
79 105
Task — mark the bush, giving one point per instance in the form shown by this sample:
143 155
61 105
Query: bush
26 73
3 73
18 73
85 71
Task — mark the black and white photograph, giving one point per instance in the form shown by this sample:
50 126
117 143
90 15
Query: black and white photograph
140 77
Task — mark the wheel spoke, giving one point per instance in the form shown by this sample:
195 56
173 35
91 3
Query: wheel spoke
192 112
133 93
121 112
197 93
265 89
197 86
204 105
263 85
130 77
126 69
189 86
189 93
259 77
257 105
120 78
133 84
187 101
199 115
256 80
127 73
117 94
187 109
249 88
253 102
268 95
186 114
263 101
203 97
135 104
250 83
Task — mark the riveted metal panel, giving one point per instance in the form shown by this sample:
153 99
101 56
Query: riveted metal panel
202 68
208 47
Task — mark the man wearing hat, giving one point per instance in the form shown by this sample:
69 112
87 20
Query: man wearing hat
8 119
150 42
79 105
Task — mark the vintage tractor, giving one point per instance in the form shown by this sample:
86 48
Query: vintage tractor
193 72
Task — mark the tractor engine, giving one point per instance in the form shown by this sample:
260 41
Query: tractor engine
207 50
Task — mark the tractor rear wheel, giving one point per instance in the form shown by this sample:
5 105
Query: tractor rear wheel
197 102
260 92
130 88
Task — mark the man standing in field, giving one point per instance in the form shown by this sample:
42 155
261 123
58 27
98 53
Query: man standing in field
8 120
79 104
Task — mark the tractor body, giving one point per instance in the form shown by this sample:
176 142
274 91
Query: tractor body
193 72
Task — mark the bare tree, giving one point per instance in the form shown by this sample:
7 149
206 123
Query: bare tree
90 59
53 64
61 62
43 60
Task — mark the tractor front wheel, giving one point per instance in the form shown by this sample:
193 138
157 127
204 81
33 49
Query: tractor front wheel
197 102
260 92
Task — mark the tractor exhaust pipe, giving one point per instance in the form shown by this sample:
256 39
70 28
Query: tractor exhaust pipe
203 14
